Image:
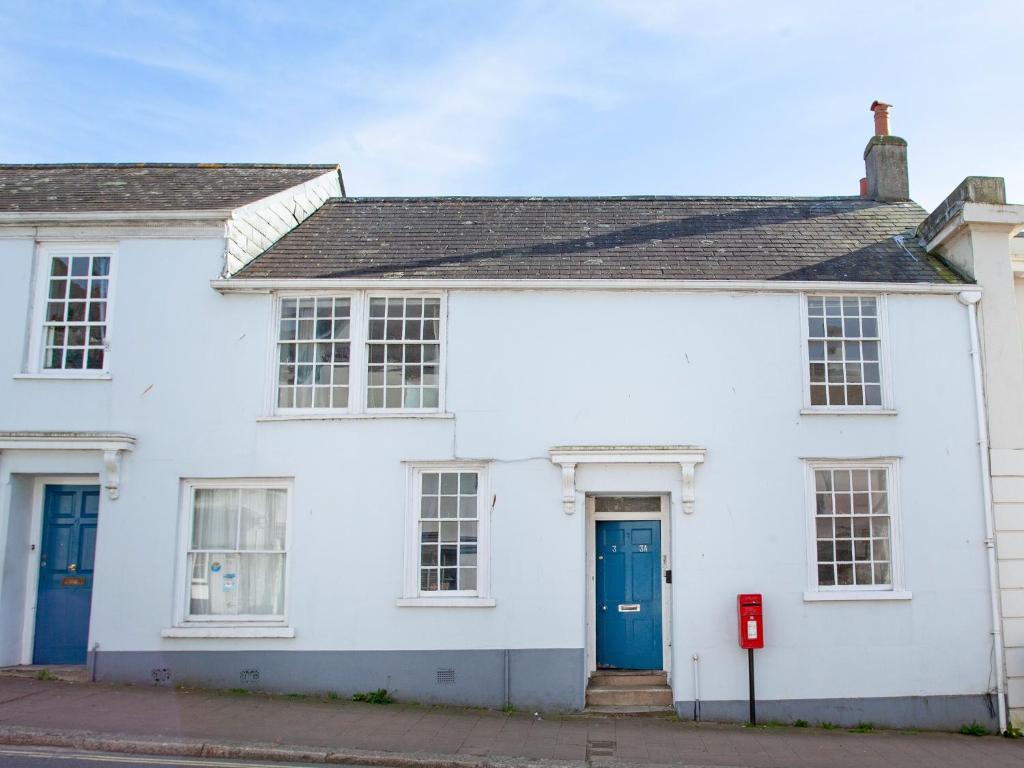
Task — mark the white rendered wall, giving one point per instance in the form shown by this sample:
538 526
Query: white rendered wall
528 371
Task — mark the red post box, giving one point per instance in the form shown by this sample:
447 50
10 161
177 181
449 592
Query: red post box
751 621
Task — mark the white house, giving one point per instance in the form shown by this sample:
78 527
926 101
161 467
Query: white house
975 230
492 450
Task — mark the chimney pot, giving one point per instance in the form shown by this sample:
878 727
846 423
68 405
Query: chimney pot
864 187
881 110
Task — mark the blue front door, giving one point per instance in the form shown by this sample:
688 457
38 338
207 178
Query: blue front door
629 594
70 513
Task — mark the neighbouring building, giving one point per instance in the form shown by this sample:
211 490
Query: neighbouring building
979 234
492 451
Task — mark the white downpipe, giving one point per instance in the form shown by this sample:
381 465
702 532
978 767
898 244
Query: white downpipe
970 300
696 687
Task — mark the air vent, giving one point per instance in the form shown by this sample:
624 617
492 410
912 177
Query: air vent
446 677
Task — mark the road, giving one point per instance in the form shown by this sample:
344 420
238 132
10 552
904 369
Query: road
44 757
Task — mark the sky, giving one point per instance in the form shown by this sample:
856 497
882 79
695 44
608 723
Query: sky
523 97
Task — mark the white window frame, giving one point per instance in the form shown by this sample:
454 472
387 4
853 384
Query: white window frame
897 590
358 338
45 252
207 626
412 595
887 408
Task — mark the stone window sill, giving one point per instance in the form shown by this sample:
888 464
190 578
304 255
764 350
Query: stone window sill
446 602
838 595
851 411
235 631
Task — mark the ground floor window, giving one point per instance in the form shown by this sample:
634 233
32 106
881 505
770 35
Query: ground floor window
853 526
448 531
237 549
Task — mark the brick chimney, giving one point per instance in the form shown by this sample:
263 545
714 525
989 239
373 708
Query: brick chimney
885 161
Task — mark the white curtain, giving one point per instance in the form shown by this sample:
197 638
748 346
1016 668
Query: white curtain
244 572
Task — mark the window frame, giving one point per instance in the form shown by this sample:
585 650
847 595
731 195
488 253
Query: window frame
897 589
412 594
182 616
358 354
45 253
887 406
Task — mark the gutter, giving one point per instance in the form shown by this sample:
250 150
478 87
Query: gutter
970 299
269 285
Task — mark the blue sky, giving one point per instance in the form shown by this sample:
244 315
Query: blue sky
572 97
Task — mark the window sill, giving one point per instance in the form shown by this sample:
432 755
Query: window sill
446 602
815 597
234 631
851 411
63 376
348 416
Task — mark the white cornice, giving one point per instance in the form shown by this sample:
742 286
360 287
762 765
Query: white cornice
110 444
240 285
80 217
1008 217
569 456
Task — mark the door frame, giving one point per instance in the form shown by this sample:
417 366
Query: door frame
28 625
664 517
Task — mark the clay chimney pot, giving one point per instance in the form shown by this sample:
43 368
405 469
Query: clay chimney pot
881 110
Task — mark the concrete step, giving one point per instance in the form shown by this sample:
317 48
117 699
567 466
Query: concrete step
618 678
629 696
635 711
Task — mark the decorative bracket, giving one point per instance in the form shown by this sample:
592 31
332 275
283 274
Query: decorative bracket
112 473
688 496
569 487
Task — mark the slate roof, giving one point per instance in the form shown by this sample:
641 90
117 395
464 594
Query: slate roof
96 187
713 238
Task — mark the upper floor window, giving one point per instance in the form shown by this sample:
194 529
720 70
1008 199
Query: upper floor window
359 352
844 351
314 349
404 350
73 296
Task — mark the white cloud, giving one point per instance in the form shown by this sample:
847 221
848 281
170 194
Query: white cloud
456 117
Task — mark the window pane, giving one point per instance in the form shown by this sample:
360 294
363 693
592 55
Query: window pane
321 326
453 497
73 303
843 331
215 518
262 519
233 584
397 329
851 527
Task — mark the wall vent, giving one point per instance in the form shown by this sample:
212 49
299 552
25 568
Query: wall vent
446 677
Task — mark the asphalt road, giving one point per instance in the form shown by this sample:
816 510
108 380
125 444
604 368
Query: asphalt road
44 757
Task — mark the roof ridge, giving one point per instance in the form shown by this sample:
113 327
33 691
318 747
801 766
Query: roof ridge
557 198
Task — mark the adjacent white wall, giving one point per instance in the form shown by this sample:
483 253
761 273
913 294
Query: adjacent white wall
528 371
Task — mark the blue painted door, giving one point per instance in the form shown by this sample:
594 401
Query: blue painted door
629 594
70 513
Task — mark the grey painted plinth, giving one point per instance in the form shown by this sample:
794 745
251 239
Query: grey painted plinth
548 679
942 712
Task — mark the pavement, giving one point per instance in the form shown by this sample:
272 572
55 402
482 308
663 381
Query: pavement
155 720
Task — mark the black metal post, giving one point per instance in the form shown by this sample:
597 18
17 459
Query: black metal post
750 667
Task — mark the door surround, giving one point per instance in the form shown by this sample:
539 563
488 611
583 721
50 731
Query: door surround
664 517
28 625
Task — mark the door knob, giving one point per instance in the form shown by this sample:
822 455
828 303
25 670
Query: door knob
73 567
604 607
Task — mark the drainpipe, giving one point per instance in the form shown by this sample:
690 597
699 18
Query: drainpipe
696 687
970 299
